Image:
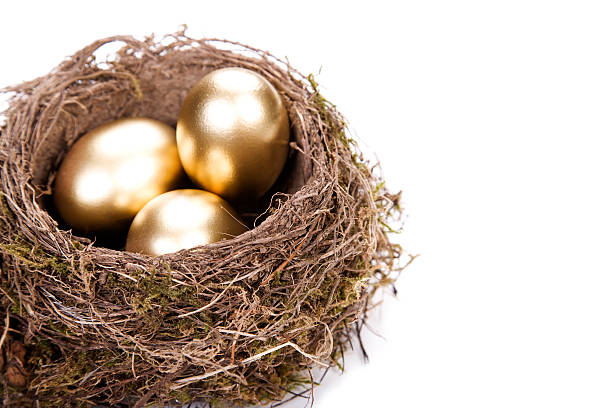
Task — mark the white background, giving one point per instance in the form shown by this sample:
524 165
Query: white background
494 118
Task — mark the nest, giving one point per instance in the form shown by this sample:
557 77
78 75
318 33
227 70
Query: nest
238 322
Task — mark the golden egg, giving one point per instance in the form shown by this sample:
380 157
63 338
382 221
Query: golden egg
233 134
111 172
182 219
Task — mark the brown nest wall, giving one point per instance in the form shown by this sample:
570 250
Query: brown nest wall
238 322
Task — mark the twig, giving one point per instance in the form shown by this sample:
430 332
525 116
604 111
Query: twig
212 302
189 380
6 329
284 264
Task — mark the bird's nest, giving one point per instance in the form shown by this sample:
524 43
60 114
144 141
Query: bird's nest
242 321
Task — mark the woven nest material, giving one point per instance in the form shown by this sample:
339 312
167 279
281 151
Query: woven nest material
238 322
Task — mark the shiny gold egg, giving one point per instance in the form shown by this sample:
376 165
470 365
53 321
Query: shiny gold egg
111 172
182 219
233 134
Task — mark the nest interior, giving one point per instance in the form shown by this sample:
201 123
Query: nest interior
238 322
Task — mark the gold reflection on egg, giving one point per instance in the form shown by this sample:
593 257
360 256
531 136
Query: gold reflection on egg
111 172
182 219
233 134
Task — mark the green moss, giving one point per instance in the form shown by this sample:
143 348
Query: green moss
324 105
206 318
181 396
77 365
34 257
386 227
4 208
59 328
21 252
378 188
60 267
155 290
